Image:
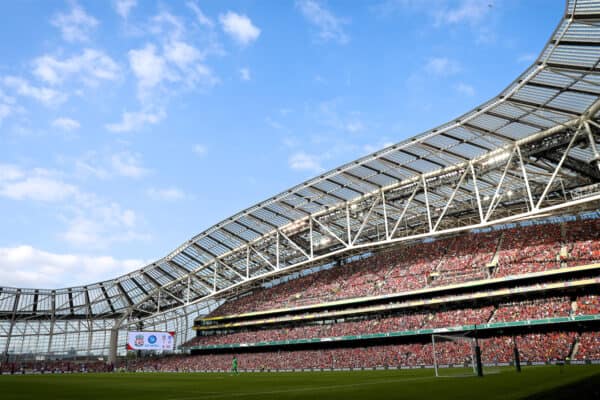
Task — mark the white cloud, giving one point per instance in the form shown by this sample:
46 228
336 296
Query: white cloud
8 106
90 221
302 161
29 267
169 194
181 53
123 7
90 67
200 16
245 74
88 165
37 185
239 27
109 165
465 89
128 164
133 121
75 26
66 124
47 96
354 126
274 124
9 172
475 14
149 67
442 66
330 27
467 11
5 111
167 25
101 224
200 150
180 62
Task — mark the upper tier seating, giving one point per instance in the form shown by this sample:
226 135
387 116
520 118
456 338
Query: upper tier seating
525 249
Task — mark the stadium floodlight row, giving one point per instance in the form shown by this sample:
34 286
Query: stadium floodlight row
531 151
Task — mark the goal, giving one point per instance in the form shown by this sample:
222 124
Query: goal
454 355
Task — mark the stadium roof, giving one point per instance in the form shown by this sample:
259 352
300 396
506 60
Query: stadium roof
562 85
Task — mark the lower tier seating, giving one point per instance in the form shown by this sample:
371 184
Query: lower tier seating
534 347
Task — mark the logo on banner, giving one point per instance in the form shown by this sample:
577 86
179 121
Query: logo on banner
151 339
139 340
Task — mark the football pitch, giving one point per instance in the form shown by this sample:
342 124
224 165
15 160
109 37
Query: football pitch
546 382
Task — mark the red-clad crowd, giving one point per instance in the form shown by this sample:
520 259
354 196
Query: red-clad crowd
404 322
528 249
442 262
583 242
504 312
587 305
532 348
588 347
56 367
534 309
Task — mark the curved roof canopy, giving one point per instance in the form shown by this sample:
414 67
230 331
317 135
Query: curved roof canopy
561 86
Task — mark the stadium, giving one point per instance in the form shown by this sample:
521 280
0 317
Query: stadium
470 249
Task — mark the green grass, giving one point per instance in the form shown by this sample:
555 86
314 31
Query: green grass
574 382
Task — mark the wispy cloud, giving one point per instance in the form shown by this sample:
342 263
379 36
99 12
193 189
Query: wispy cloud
239 27
91 67
27 266
200 16
167 194
466 11
179 62
66 124
134 121
75 26
38 185
474 14
442 66
302 161
466 89
99 224
7 106
149 67
329 26
124 7
245 74
45 95
200 150
129 165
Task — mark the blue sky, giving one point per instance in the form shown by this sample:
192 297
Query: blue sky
126 127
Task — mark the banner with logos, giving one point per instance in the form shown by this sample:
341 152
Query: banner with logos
157 341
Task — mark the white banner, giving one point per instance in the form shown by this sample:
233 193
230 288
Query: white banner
157 341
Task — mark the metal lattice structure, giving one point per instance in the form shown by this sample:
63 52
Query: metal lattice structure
531 151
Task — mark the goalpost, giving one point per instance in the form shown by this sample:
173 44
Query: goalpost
456 351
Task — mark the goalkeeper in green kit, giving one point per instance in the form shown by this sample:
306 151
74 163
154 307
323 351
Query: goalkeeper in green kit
234 365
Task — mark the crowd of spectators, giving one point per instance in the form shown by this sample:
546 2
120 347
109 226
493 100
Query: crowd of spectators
529 249
533 309
588 347
443 318
466 258
587 305
538 347
583 242
440 262
54 367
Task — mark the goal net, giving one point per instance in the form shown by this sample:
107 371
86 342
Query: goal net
453 355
